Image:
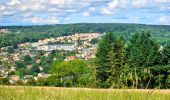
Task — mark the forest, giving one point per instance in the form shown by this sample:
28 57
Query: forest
141 62
21 34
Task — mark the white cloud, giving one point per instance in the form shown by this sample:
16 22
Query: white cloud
23 7
13 2
39 20
7 13
139 3
163 8
26 15
85 14
37 6
57 2
162 1
28 9
114 6
63 2
164 19
2 8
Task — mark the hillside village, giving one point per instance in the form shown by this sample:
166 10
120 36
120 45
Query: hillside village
37 54
4 30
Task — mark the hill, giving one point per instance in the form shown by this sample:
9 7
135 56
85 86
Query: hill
20 34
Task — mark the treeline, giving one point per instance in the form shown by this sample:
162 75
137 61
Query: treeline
139 63
20 34
12 39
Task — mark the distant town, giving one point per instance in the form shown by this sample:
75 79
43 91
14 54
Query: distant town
77 46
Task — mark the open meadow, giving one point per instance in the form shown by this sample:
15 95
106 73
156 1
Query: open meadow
55 93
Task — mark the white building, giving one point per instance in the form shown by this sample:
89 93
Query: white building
48 47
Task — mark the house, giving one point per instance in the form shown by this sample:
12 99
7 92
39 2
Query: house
3 70
29 66
4 30
15 58
24 44
69 58
28 76
161 48
5 59
78 55
14 79
12 69
40 68
38 61
43 75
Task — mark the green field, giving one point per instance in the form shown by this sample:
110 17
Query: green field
52 93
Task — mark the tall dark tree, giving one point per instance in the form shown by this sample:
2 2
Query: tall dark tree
142 50
142 56
122 50
107 61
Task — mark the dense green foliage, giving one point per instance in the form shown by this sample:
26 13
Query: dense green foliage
141 63
71 73
20 34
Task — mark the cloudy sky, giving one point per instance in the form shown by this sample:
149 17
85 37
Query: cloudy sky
40 12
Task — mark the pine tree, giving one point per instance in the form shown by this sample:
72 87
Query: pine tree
104 58
142 50
110 58
122 51
114 66
142 54
122 56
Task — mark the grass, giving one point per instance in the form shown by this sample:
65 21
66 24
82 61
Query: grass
54 93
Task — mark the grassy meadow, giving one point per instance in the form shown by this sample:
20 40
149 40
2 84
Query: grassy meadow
54 93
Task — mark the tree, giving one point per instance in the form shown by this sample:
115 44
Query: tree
94 41
122 51
23 71
142 54
54 80
108 61
4 81
27 59
114 66
31 82
20 64
35 69
10 49
163 54
71 73
142 50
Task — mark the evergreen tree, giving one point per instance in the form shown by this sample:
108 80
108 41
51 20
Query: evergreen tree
109 61
142 50
142 56
113 66
122 50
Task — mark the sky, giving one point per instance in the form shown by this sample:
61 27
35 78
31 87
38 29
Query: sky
42 12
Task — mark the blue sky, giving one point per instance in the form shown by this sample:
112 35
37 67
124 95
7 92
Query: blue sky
40 12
